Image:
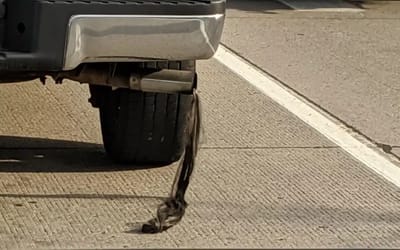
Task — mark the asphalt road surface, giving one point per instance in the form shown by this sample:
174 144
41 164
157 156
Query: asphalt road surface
265 178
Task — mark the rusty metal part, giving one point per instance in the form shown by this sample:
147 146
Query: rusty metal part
117 76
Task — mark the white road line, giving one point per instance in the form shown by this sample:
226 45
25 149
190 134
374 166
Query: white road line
328 126
321 6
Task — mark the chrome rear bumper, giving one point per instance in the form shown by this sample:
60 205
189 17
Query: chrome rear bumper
120 38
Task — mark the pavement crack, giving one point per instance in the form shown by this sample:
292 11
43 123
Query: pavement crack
385 147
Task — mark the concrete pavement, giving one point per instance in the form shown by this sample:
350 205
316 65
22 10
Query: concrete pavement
264 179
347 63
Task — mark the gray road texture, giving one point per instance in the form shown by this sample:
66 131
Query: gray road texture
264 179
347 63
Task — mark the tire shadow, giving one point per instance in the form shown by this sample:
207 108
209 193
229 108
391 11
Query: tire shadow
48 156
27 154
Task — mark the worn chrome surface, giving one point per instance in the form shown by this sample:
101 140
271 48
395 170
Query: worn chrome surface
108 38
164 81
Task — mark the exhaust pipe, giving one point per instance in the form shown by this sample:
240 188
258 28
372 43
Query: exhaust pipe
164 81
147 80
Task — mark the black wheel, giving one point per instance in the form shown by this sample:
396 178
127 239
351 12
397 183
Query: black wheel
144 128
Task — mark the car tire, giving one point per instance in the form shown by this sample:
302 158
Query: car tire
144 128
